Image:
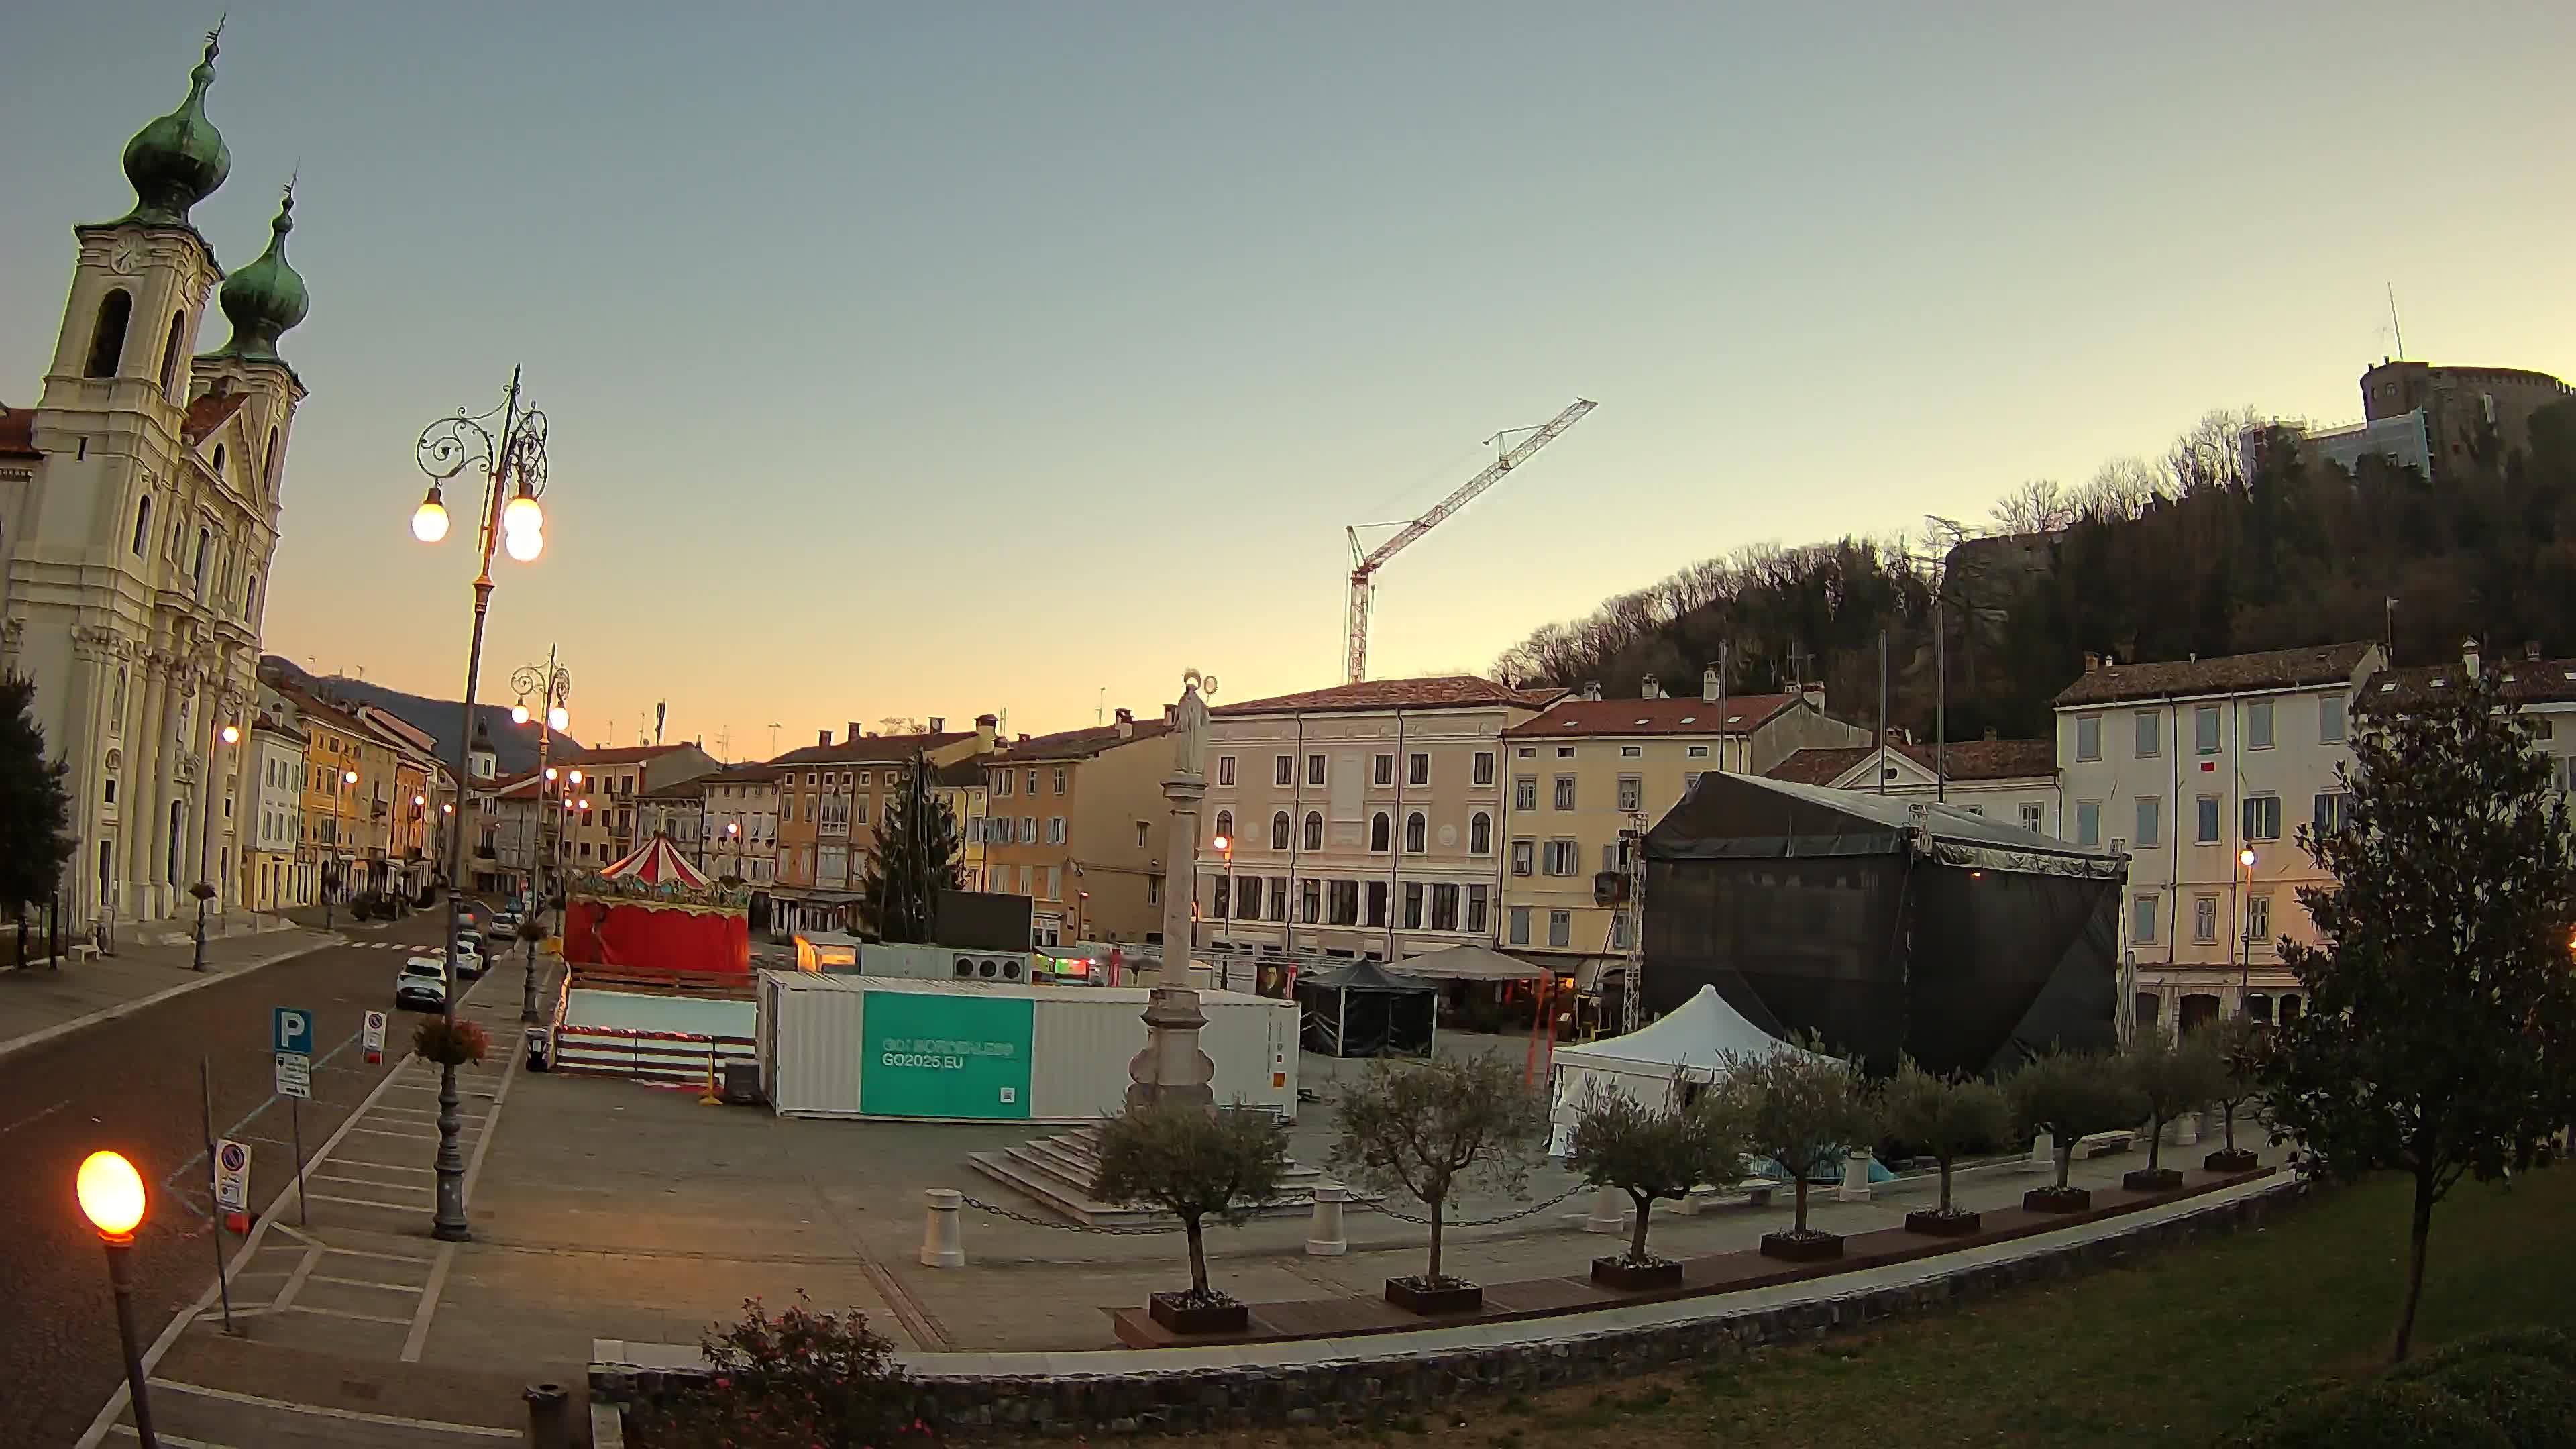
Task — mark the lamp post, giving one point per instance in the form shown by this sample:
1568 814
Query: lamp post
2245 969
552 684
517 458
347 782
202 890
111 1197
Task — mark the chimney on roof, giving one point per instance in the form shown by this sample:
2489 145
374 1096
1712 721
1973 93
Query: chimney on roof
856 732
985 725
938 724
1592 689
2092 662
822 737
2469 657
1024 737
1990 732
2531 649
1710 691
1126 724
1650 688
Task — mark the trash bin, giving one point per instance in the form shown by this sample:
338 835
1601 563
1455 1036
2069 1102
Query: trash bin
541 1049
549 1416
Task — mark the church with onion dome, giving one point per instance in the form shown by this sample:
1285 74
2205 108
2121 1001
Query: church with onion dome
140 497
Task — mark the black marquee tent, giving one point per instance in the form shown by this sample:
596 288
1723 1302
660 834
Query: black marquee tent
1885 925
1363 1011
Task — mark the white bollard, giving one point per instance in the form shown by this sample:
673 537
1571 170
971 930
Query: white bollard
2043 1153
1609 1212
941 1245
2186 1129
1324 1233
1855 1186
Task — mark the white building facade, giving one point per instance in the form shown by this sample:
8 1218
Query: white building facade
272 878
2203 771
139 504
2012 781
1364 820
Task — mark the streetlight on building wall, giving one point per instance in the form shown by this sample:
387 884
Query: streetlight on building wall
2244 936
514 475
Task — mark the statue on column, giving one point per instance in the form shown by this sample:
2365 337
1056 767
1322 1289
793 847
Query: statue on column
1190 725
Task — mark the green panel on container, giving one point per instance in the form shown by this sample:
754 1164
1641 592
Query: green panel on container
946 1056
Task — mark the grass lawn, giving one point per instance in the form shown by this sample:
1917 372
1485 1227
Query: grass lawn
2170 1350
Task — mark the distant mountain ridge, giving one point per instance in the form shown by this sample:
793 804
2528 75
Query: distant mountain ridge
514 746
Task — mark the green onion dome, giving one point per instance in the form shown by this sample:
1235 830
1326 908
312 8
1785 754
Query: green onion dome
265 298
180 159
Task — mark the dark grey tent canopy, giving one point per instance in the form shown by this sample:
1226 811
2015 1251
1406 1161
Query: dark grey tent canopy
1363 1011
1883 924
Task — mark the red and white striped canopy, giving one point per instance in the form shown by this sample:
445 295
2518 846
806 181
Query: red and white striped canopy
656 862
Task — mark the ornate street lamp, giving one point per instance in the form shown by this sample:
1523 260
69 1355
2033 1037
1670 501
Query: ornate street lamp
514 476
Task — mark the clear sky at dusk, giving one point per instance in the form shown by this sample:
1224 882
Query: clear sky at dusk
932 359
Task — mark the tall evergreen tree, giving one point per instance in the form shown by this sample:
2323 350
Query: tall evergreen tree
2440 1040
35 807
916 858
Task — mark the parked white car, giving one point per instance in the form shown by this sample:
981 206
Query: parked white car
469 957
421 983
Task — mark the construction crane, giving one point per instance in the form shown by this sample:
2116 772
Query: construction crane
1364 567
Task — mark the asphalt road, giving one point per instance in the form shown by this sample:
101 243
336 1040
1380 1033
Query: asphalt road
132 1085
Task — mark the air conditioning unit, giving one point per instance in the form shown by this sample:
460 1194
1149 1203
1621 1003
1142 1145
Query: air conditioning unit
942 963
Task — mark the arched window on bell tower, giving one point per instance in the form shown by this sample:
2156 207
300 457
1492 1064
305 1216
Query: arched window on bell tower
268 465
142 524
170 355
107 338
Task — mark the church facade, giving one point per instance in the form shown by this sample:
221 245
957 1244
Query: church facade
140 498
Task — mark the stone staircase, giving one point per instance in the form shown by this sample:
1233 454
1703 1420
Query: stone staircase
1056 1173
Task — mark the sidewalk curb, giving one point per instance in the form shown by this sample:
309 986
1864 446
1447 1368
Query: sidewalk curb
122 1009
121 1395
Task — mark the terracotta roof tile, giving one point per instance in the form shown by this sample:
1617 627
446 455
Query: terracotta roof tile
872 749
1447 691
18 432
1734 715
1967 760
2526 681
2228 674
623 754
1079 744
209 413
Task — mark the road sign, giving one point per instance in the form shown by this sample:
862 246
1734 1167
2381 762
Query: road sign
293 1031
375 1036
294 1075
232 1176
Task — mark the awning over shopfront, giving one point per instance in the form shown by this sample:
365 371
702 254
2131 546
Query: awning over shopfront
1468 963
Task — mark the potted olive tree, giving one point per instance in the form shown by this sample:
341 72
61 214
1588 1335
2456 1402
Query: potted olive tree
2242 1045
2170 1075
2069 1096
1428 1130
1804 1110
1652 1152
1944 1118
1194 1164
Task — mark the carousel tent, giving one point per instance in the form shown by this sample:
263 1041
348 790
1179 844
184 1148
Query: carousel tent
1362 1011
653 911
1885 925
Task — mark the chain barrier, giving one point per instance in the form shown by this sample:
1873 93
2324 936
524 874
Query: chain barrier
1447 1223
1018 1217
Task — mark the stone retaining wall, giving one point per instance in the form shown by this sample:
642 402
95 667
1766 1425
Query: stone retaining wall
1402 1381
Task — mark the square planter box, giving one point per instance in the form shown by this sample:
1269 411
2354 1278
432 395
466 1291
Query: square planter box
1629 1277
2152 1179
2056 1200
1169 1310
1451 1295
1937 1224
2239 1160
1814 1248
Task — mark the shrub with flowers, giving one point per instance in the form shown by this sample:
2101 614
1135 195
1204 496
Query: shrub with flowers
451 1043
799 1380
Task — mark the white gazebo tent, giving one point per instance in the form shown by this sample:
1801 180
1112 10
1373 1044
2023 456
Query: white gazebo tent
1692 1043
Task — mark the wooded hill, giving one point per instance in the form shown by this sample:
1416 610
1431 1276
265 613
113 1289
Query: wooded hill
2238 539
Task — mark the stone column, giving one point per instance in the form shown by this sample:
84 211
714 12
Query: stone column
1171 1069
1185 787
141 805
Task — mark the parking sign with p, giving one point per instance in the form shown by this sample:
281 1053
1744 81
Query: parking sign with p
294 1031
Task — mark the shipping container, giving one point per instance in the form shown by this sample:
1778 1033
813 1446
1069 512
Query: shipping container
879 1047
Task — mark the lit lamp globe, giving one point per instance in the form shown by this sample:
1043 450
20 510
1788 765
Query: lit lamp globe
111 1195
559 717
518 714
2245 857
429 520
525 544
232 734
349 776
523 515
1222 843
